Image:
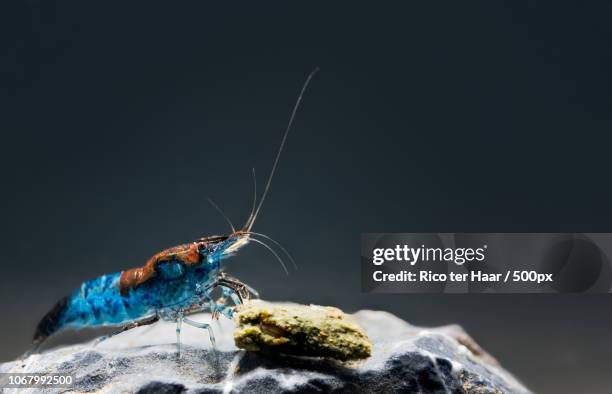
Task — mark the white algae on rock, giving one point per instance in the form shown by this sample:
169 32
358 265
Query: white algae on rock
405 359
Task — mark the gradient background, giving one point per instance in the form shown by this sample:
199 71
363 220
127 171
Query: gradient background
118 120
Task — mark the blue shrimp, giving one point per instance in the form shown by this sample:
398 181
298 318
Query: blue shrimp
171 285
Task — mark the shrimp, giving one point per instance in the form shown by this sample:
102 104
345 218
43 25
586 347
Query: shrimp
172 284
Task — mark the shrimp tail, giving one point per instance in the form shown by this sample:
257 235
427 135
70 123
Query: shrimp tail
48 325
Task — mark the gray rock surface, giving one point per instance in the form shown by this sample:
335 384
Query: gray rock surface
405 359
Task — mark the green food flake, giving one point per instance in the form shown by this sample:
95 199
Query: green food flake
303 330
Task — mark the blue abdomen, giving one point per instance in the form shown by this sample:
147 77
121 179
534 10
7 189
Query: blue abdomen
99 302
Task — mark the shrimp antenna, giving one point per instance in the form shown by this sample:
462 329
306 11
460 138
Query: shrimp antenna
276 243
265 245
254 199
222 214
249 224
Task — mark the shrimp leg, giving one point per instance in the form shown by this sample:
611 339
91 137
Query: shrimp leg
204 326
137 323
236 282
216 308
179 323
180 319
211 335
233 289
241 291
237 293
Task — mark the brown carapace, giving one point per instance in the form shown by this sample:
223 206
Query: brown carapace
189 254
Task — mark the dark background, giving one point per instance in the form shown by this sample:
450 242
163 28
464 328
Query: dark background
118 120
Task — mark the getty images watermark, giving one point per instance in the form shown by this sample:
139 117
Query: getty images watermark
486 263
413 255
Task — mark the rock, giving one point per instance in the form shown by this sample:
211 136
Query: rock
301 330
405 359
